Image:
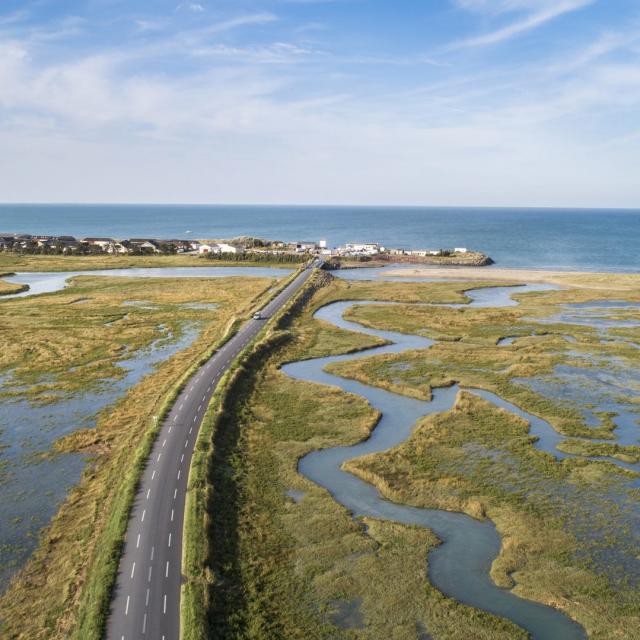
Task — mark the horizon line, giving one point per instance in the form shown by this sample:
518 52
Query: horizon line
325 206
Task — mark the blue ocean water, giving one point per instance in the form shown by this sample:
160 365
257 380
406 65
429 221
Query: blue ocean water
594 240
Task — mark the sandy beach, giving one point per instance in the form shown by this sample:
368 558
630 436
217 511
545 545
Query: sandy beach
617 281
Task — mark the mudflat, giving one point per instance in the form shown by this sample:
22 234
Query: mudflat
581 279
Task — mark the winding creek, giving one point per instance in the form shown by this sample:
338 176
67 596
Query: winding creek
460 566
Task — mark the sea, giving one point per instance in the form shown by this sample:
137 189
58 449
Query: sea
563 239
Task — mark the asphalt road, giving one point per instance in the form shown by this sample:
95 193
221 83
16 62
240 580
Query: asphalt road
146 599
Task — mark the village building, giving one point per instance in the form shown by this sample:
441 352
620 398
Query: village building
362 249
142 245
102 243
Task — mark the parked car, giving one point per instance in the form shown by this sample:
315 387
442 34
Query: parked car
257 316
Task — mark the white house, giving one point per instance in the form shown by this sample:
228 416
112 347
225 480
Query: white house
221 247
460 250
117 248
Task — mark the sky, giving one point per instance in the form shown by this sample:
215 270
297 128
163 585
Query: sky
386 102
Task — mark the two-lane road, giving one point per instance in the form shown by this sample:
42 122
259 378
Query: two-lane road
146 598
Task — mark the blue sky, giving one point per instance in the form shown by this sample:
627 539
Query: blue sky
434 102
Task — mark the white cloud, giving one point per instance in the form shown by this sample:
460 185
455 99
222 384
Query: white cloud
194 7
264 121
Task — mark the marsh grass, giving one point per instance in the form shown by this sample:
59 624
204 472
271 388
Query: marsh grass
58 348
8 288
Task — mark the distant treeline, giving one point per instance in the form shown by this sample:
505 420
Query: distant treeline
285 258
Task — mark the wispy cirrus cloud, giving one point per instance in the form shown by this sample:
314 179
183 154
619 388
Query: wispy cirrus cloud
538 13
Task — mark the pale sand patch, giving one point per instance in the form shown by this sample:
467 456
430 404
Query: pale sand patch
580 279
